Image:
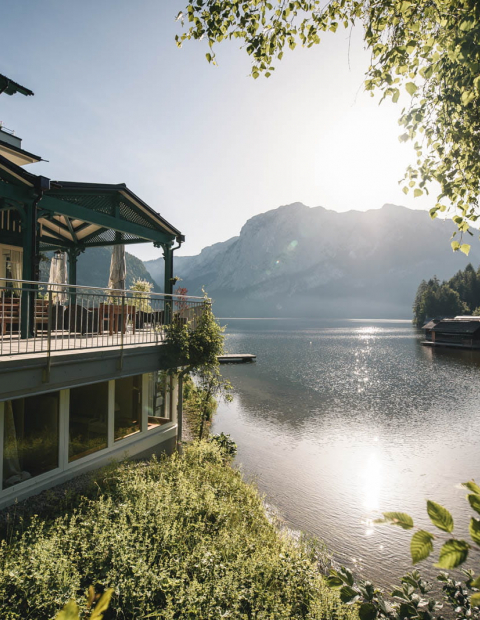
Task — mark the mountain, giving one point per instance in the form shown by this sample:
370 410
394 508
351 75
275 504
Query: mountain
93 269
301 261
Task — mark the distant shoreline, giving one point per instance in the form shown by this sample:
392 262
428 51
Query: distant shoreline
305 318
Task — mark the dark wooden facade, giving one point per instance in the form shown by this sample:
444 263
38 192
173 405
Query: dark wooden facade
461 332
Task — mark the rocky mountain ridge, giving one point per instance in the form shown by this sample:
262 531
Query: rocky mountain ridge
302 261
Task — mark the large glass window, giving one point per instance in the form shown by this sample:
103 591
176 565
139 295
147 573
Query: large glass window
160 398
88 420
30 444
128 406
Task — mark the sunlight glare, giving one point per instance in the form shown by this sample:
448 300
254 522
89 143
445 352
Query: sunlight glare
372 476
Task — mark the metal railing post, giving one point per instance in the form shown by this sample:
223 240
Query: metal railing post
46 376
122 325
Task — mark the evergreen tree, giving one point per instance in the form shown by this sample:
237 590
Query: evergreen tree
447 299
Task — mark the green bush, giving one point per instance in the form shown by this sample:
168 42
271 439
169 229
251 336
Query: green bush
226 444
185 537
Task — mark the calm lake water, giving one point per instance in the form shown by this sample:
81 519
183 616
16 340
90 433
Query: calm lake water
339 420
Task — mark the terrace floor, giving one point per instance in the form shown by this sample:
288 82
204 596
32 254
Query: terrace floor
61 341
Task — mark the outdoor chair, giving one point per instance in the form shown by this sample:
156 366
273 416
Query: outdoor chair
81 320
40 315
112 314
9 314
152 319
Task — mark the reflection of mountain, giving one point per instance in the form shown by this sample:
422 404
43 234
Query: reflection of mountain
301 261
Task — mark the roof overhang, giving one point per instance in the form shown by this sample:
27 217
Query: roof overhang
18 156
9 87
82 215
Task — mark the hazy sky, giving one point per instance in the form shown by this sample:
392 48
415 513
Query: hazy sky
209 147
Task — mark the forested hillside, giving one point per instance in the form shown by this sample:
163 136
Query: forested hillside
459 295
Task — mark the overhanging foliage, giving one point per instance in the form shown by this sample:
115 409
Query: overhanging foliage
429 48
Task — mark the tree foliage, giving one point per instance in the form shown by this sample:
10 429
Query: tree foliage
459 295
428 48
197 349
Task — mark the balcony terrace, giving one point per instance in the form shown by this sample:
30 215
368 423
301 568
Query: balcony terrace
71 318
65 325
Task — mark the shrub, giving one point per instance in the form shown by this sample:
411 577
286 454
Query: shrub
184 537
226 444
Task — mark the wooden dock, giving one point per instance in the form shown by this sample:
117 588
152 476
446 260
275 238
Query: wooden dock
237 358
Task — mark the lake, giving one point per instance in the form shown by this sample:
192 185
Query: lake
340 420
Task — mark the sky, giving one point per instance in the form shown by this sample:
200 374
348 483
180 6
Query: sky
208 147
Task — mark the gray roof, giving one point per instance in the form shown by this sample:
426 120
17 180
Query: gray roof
430 324
453 326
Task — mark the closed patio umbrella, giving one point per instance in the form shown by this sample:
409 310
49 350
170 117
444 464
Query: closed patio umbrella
118 268
117 280
58 276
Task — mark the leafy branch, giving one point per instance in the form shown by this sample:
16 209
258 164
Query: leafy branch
453 551
428 50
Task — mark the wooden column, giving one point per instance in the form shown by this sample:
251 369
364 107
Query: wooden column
168 281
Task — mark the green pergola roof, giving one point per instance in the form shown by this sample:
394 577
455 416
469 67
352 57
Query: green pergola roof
9 87
82 215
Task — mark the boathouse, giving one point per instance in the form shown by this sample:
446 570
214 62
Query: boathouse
460 332
83 373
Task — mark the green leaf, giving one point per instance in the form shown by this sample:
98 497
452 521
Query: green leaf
439 516
411 88
472 486
475 599
452 554
467 97
475 583
367 611
474 529
102 605
399 518
348 594
474 502
465 248
417 193
334 582
455 245
346 575
69 612
411 45
421 545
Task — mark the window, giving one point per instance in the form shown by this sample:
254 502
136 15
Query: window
11 265
88 420
128 407
160 398
30 444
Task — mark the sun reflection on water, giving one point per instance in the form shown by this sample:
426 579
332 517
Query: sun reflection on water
372 476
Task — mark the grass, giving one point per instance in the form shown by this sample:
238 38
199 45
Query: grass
184 537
